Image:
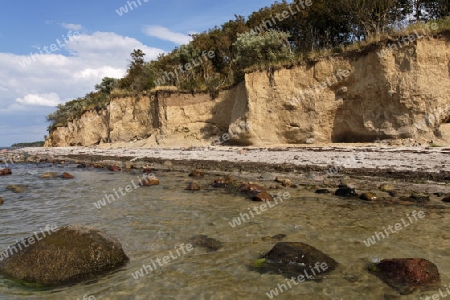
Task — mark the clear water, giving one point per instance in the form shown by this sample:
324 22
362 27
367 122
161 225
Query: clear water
150 222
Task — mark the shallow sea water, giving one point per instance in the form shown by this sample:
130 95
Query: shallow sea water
152 221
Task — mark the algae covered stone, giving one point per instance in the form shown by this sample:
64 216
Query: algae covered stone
62 256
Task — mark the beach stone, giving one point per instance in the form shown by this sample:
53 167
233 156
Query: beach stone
251 188
284 181
368 197
221 183
115 169
322 191
17 188
415 197
407 275
387 187
296 258
69 255
193 187
6 171
197 173
262 196
446 199
66 175
345 192
47 175
150 181
204 241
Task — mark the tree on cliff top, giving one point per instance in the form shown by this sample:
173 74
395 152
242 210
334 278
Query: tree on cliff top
134 79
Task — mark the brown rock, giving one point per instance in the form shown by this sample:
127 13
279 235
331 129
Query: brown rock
250 188
50 175
1 200
221 183
6 171
115 169
66 175
284 181
263 196
193 187
197 173
406 275
17 188
446 199
149 181
368 197
387 188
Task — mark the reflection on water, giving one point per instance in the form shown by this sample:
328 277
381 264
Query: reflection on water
151 222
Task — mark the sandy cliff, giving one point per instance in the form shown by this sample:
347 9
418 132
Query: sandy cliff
360 97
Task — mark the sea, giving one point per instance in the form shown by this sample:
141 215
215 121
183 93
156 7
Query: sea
150 222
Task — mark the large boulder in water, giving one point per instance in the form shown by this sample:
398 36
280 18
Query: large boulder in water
68 255
407 275
296 258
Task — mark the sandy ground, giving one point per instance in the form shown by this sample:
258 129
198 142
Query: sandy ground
411 159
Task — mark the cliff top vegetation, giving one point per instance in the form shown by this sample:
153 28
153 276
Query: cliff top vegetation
282 35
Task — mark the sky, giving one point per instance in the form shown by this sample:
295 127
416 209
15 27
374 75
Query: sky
54 51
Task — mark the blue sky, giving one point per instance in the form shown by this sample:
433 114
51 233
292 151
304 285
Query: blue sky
53 51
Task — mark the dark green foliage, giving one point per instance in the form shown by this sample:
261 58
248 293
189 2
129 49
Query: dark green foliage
33 144
263 40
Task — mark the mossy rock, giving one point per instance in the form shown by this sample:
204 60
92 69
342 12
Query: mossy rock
65 256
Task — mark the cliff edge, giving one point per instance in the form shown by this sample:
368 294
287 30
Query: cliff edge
366 96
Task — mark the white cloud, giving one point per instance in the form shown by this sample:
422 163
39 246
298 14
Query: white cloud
54 78
72 26
165 34
51 99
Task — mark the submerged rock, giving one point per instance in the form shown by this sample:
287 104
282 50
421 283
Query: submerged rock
387 188
68 255
197 173
193 187
263 196
221 183
277 237
322 191
251 188
66 175
406 275
149 181
6 171
344 191
47 175
204 241
298 258
284 181
17 188
446 199
115 169
368 197
420 197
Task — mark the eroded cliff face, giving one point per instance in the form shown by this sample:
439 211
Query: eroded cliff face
354 98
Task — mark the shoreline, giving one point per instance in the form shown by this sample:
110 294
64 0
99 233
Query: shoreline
407 163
